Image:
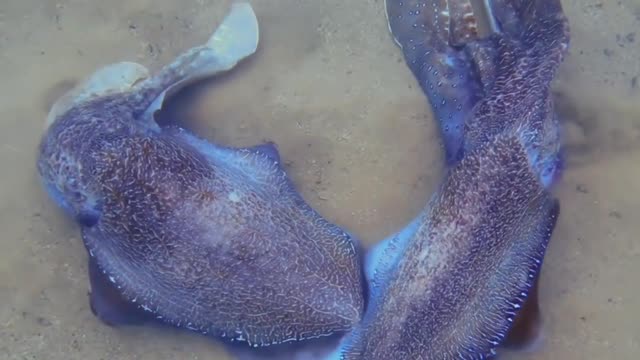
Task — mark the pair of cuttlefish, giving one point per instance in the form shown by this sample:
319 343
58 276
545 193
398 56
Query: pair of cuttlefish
187 233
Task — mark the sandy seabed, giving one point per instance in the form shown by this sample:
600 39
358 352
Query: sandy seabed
329 86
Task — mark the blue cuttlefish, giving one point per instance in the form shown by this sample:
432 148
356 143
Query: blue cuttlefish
459 282
183 232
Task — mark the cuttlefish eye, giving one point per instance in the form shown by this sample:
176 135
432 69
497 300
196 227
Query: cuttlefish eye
87 218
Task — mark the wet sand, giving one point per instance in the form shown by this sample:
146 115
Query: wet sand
330 88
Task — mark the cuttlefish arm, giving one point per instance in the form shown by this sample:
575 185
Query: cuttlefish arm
235 39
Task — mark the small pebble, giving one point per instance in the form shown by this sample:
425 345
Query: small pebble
581 188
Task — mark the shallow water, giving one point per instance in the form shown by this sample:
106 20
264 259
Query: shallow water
330 88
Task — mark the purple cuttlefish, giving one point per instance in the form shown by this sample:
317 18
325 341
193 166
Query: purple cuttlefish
184 232
459 282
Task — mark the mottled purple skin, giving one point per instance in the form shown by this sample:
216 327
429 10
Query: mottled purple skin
195 235
467 270
451 284
479 87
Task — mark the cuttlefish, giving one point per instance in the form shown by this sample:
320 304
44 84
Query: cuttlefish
459 281
187 233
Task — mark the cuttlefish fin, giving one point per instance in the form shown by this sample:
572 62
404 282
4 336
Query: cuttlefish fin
526 331
236 38
313 349
432 35
108 304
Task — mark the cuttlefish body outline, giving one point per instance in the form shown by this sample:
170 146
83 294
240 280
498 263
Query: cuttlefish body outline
187 233
460 280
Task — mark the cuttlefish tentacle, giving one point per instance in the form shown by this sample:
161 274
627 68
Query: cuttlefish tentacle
187 233
461 279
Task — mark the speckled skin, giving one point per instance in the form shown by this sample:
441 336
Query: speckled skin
467 269
195 235
450 284
479 87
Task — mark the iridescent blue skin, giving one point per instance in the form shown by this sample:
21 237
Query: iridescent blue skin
459 281
187 233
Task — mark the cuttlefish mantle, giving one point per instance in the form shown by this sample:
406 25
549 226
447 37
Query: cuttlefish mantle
185 232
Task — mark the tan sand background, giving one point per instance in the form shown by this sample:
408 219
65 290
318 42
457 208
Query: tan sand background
330 88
